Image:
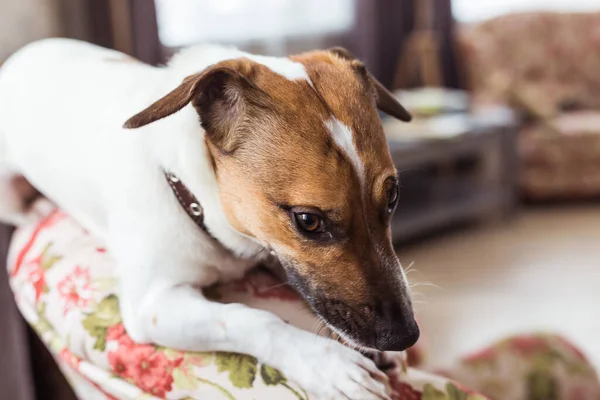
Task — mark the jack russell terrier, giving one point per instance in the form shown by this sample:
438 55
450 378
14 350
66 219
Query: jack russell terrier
224 158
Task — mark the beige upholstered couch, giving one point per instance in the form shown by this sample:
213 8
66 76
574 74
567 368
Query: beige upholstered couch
547 66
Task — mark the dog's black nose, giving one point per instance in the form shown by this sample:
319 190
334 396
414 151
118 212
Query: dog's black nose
397 340
395 326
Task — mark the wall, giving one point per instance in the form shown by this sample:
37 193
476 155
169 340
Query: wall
23 21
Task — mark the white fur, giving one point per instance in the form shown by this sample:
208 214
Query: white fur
62 105
342 135
291 70
188 61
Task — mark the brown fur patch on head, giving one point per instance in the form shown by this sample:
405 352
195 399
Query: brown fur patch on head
347 89
286 159
285 156
274 156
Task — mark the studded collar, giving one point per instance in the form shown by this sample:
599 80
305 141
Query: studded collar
189 203
192 207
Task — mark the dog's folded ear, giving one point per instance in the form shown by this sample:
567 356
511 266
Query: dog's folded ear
221 94
386 101
178 98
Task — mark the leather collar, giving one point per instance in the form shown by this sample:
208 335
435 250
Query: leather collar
192 207
188 202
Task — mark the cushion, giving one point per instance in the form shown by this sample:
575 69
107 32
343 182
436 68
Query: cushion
561 158
545 78
558 63
64 284
529 366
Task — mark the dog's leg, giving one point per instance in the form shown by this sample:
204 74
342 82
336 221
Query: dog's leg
180 317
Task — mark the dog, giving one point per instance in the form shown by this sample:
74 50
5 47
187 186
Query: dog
196 171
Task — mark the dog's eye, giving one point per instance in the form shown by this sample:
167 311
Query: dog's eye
309 222
392 198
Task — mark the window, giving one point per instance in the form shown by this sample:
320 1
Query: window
185 22
476 10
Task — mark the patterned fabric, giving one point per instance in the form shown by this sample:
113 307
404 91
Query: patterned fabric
547 65
64 284
562 159
530 367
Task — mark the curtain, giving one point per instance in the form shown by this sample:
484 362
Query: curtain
382 28
16 378
126 25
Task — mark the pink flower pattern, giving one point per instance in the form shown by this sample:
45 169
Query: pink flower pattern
148 367
117 333
76 289
487 354
68 357
528 345
36 276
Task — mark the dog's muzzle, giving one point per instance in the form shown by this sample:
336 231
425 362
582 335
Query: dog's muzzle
386 326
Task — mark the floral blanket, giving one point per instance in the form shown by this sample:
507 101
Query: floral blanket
64 284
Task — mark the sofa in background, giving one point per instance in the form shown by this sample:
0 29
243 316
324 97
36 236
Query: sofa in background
546 66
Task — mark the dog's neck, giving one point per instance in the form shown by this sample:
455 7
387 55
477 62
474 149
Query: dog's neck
183 151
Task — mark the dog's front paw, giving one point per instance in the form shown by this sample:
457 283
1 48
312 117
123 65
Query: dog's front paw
332 371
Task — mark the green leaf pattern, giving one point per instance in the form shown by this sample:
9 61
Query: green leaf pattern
97 323
42 325
541 384
241 368
271 376
452 392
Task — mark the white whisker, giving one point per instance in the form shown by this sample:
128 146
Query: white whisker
425 283
409 268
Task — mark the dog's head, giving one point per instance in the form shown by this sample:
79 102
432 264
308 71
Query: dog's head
303 166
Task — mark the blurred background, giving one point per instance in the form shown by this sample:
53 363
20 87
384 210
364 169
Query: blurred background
499 219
